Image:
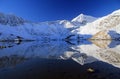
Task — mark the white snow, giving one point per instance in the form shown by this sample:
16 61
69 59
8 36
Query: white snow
110 22
60 29
82 20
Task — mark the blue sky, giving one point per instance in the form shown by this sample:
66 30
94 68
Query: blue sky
49 10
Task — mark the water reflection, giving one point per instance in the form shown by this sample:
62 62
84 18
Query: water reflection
103 56
83 52
51 50
103 50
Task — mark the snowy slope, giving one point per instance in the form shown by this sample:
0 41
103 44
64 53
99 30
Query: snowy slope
35 31
12 26
106 27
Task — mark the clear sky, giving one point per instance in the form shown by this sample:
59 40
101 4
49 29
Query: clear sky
49 10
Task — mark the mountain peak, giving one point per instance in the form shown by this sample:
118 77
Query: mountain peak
83 19
10 19
79 18
81 15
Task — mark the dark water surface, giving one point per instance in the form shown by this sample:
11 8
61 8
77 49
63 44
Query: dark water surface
60 60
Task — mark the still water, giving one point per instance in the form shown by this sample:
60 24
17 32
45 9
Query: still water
95 59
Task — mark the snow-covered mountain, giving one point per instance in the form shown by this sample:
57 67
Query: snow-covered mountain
83 26
106 27
13 27
36 31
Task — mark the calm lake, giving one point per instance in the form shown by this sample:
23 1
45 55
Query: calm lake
95 59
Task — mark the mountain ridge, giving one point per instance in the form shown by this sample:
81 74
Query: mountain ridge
61 29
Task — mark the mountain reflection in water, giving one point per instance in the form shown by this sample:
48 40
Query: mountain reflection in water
98 59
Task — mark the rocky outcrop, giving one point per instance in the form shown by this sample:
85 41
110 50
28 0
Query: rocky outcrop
101 35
